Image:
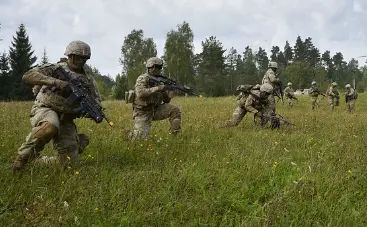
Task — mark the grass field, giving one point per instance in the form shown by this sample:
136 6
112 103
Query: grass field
313 174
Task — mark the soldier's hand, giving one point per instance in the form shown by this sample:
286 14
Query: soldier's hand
258 114
160 87
60 84
275 123
64 87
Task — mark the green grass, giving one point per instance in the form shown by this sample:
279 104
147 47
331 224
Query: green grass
313 174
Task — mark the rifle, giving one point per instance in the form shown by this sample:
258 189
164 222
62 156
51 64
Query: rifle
172 84
275 120
279 91
87 105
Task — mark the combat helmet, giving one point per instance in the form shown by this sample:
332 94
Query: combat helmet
154 61
79 48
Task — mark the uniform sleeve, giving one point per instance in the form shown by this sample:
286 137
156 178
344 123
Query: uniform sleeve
286 91
142 88
272 77
41 75
249 105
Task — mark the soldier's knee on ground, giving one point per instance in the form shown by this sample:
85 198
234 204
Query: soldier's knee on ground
83 142
46 132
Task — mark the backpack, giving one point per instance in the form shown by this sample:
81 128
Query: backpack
246 89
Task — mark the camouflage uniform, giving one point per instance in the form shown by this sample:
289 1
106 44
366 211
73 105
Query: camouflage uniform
350 98
271 78
289 95
314 92
333 96
240 111
151 103
51 118
257 101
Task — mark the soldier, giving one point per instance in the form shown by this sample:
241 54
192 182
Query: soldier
333 94
350 98
151 103
257 101
51 118
240 111
314 92
271 78
289 95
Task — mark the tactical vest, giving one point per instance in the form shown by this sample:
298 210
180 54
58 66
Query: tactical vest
56 101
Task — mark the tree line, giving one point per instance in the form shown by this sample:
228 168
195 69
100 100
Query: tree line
20 58
215 71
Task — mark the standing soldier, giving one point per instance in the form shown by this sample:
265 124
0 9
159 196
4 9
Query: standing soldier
314 92
350 98
51 117
333 96
289 95
272 79
151 103
240 111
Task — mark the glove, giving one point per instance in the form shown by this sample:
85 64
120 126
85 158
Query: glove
274 123
259 115
63 86
160 87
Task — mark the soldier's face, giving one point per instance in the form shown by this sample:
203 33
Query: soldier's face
157 69
79 61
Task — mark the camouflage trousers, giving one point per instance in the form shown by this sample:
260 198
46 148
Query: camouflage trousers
270 106
144 116
237 117
333 102
314 102
289 102
351 105
47 125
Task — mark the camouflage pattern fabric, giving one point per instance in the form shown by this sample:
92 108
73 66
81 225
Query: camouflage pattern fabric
151 104
350 100
289 96
333 97
52 120
239 112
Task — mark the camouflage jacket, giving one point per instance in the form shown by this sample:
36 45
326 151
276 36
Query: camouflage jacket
332 92
254 103
289 93
314 91
146 96
54 100
271 78
351 94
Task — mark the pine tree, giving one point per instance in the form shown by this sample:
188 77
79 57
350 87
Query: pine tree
4 76
21 60
44 59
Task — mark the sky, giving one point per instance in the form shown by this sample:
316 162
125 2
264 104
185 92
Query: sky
335 25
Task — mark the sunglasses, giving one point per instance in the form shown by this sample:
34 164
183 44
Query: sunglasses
158 66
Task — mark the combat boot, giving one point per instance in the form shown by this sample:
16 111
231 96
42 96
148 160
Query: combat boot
19 163
175 126
83 142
